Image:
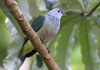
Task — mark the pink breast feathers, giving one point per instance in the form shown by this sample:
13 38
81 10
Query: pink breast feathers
48 35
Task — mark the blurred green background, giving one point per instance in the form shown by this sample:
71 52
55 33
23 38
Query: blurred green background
4 37
74 6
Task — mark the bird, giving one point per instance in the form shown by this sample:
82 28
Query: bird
46 26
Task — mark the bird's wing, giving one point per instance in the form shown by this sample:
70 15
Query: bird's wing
36 25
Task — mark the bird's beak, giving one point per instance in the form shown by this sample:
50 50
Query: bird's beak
64 14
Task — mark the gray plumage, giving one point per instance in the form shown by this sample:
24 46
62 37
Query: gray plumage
46 27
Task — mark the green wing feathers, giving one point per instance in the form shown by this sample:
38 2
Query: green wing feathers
38 23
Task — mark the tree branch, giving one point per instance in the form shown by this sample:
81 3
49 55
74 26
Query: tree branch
30 33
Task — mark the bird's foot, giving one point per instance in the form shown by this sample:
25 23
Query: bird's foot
48 50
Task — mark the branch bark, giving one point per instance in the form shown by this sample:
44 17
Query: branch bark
30 33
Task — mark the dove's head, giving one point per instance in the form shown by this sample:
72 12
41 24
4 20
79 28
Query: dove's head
57 12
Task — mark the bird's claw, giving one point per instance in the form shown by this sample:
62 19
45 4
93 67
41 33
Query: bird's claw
48 50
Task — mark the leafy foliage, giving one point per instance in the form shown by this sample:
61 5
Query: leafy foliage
88 44
4 38
77 26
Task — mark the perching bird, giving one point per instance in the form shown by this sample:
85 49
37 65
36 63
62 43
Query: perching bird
46 27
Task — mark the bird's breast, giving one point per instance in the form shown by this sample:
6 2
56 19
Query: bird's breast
46 35
49 29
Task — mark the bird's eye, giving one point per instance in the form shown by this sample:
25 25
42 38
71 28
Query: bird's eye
58 11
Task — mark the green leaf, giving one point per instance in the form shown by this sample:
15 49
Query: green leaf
82 4
13 49
88 4
70 4
88 44
49 3
11 18
92 2
41 5
96 31
96 20
10 27
34 67
23 4
98 38
71 15
24 8
34 11
4 38
64 42
39 61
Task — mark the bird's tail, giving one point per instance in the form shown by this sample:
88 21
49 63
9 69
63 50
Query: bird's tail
20 59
